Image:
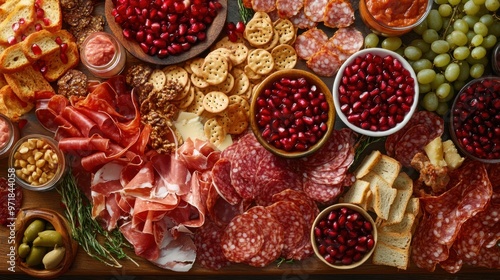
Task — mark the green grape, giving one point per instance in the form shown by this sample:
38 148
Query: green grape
412 53
458 85
400 51
481 29
492 5
478 52
438 80
371 40
443 90
442 108
477 40
457 38
476 70
392 43
470 8
450 41
426 76
460 25
430 55
421 64
470 34
445 10
440 46
471 20
430 35
454 2
424 88
489 41
421 44
472 61
434 20
451 72
478 2
487 19
494 29
446 22
461 53
440 2
464 71
430 101
419 29
441 60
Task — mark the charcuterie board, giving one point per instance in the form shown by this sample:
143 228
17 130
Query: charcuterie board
84 265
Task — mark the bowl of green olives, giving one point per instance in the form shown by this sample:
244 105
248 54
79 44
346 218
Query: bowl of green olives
44 247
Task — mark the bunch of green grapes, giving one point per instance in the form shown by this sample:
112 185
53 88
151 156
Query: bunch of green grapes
451 48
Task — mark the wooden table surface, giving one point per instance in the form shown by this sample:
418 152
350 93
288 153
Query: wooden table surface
87 268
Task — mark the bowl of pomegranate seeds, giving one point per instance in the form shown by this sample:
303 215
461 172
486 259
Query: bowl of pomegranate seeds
375 92
292 113
475 120
343 236
166 32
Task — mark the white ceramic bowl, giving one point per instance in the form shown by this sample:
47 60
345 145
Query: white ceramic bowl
338 81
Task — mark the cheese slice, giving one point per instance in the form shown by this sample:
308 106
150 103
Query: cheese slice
434 151
451 155
189 125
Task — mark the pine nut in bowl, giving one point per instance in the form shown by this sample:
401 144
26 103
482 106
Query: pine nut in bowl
292 113
475 120
375 92
343 236
37 162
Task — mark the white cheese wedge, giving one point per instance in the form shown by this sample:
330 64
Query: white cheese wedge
189 126
451 155
434 151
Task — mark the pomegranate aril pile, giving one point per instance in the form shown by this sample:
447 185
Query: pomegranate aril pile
292 114
234 31
343 236
476 119
376 92
165 27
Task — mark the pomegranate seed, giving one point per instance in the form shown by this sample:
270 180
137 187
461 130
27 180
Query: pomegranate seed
38 27
36 49
11 40
63 57
240 27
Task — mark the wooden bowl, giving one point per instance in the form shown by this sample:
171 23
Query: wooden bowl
133 47
24 218
292 74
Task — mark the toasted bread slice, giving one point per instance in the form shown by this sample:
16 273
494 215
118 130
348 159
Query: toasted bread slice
402 227
367 164
27 82
413 206
388 168
52 16
404 186
383 194
11 105
398 240
6 8
13 59
44 39
389 255
56 67
3 82
357 192
24 9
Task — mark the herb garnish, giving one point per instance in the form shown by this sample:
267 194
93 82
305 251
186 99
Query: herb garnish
245 13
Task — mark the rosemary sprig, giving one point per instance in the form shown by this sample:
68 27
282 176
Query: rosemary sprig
245 13
282 261
363 143
86 230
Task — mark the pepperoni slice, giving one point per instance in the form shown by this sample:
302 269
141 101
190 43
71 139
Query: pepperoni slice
411 143
208 246
324 63
338 13
307 207
265 6
291 181
242 239
323 193
288 8
315 9
310 42
348 40
222 181
301 21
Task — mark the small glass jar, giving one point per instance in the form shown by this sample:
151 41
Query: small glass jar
9 134
53 165
103 55
390 27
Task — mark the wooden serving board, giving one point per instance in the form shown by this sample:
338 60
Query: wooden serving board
312 268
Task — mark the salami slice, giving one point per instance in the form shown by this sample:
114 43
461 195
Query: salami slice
338 13
348 40
301 21
288 8
310 42
265 6
324 63
273 237
323 193
289 181
315 9
222 181
291 219
308 208
242 239
208 246
411 143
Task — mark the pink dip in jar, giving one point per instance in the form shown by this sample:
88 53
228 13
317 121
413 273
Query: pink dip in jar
99 50
103 55
9 134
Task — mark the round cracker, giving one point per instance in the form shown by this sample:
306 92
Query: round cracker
258 31
260 61
271 44
214 131
157 79
242 103
184 92
285 29
176 74
199 81
215 101
284 57
196 106
186 101
251 74
241 82
215 69
196 66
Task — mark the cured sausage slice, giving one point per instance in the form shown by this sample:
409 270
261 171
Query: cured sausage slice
348 40
263 5
269 188
411 143
222 181
315 9
310 42
338 13
208 246
242 239
323 193
301 21
307 207
324 63
288 8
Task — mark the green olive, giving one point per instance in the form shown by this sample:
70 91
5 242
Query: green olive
31 232
36 255
49 226
53 258
23 250
48 238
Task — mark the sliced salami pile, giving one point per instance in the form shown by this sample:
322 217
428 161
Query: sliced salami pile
308 13
423 127
461 225
325 55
